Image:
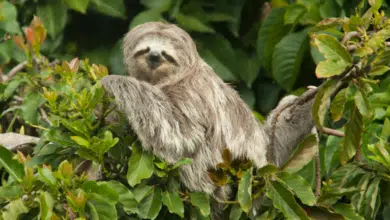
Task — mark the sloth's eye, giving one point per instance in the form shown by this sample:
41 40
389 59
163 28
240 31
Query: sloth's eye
169 58
140 52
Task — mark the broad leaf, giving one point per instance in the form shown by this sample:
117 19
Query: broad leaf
332 50
46 204
190 23
78 5
150 206
293 13
353 136
347 211
140 165
321 102
270 33
337 105
284 200
158 5
126 197
13 167
330 68
15 208
114 8
244 194
101 189
30 107
145 16
100 209
173 202
54 16
362 102
302 155
299 186
201 200
288 57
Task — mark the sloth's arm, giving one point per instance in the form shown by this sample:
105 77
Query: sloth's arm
286 127
151 116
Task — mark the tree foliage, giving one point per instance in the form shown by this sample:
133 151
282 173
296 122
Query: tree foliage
85 168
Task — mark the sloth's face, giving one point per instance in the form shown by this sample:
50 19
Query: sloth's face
155 58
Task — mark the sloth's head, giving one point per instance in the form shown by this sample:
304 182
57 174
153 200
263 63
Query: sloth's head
155 50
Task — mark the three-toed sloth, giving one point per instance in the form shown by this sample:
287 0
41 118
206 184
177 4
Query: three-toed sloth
179 107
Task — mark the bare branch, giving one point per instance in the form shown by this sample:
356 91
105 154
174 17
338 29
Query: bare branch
5 38
349 35
45 117
15 70
333 132
317 165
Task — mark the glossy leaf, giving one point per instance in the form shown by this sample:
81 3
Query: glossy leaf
46 204
270 33
244 194
353 136
288 57
173 202
114 8
299 186
337 105
100 209
126 197
321 101
145 16
302 155
150 206
347 210
284 200
54 16
15 208
193 24
140 165
78 5
30 107
201 200
13 167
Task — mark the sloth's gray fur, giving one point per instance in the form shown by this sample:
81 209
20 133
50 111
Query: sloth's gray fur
185 110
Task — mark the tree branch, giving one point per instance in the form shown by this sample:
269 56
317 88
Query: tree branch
14 71
333 132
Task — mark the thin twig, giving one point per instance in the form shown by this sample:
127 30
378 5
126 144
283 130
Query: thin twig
5 38
333 132
15 70
45 117
349 35
317 165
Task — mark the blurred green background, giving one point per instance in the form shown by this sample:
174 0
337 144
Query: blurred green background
260 47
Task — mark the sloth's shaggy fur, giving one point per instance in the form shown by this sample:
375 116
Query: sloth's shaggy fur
183 109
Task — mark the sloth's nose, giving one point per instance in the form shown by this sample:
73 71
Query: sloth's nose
154 59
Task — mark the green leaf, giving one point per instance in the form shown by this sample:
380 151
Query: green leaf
353 136
80 141
331 152
299 186
182 162
13 167
140 165
201 200
347 211
46 175
15 208
78 5
141 191
173 202
329 68
284 200
219 68
9 15
11 88
337 105
331 196
190 23
100 209
244 193
150 206
145 16
114 8
379 70
302 155
46 204
331 48
267 170
362 103
270 33
11 192
321 101
159 5
54 16
30 107
126 197
102 189
288 57
328 23
337 57
293 13
235 212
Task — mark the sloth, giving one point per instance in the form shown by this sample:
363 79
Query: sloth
180 108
